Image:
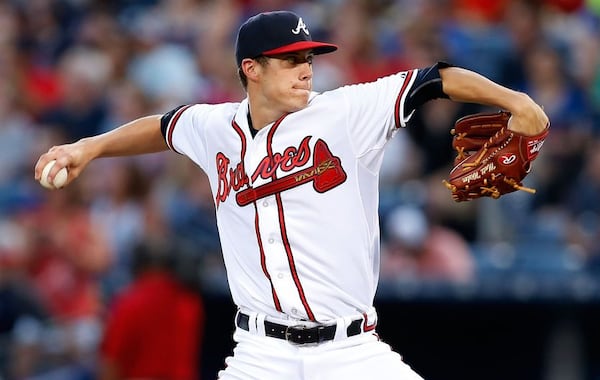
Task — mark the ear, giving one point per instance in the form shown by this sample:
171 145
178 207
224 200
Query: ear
251 68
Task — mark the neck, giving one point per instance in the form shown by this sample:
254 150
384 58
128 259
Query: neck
258 120
262 112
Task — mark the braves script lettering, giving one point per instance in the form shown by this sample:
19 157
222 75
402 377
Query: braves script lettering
235 178
229 178
325 173
291 158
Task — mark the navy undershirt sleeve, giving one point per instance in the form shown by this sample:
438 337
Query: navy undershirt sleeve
427 86
166 118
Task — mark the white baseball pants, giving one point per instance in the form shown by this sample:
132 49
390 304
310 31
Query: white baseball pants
360 357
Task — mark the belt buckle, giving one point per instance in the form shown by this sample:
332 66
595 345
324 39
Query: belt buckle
288 333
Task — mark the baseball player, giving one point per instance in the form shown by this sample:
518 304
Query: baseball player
294 175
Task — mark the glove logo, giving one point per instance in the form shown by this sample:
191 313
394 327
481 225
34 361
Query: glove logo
534 148
508 159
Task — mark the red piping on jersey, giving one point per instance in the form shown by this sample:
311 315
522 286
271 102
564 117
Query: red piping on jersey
263 265
263 261
366 326
288 251
174 121
239 131
286 243
409 75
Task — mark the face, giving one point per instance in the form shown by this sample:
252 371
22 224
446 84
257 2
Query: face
286 80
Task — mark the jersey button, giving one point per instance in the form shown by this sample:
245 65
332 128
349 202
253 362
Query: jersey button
294 310
265 203
280 275
271 240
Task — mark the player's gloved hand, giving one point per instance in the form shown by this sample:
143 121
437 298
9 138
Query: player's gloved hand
491 160
472 131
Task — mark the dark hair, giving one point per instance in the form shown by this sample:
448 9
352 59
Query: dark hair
262 60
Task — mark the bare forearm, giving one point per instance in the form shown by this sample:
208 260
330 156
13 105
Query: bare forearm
467 86
140 136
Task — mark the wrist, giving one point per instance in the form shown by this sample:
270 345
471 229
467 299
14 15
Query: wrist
89 148
528 118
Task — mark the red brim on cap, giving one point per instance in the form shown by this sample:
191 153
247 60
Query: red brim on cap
317 48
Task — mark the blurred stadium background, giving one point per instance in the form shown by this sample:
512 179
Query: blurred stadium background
506 289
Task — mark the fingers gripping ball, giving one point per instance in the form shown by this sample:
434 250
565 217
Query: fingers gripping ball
498 166
60 179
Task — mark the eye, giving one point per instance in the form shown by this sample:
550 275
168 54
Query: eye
298 60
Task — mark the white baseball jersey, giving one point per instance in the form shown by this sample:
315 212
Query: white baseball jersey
297 204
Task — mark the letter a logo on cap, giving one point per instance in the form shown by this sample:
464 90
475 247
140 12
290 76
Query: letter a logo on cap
301 26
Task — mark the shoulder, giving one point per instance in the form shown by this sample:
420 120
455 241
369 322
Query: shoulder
201 115
220 109
382 82
368 93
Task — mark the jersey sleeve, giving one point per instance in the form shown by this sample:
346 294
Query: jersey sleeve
183 130
375 110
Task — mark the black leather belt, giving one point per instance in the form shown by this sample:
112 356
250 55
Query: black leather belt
300 334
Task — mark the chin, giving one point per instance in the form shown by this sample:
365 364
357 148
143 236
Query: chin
300 102
298 107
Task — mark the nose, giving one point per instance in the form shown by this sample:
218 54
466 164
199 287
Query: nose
306 71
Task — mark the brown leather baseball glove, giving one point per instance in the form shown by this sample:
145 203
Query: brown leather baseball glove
472 131
491 159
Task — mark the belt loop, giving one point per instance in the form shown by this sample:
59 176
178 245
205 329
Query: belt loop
242 321
342 325
260 323
251 322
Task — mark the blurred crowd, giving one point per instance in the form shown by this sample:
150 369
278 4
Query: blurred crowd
73 68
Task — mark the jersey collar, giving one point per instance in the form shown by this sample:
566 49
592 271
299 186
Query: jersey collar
241 116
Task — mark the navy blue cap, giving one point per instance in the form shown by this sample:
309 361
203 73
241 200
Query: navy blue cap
277 32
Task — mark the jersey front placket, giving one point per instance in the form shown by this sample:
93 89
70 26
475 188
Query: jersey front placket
279 263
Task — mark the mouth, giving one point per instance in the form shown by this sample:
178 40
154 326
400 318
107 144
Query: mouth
302 89
302 85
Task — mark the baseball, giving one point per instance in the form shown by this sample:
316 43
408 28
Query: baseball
59 179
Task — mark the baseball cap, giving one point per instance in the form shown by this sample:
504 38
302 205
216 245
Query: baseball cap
276 32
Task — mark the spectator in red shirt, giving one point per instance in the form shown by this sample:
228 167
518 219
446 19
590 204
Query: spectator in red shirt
156 324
